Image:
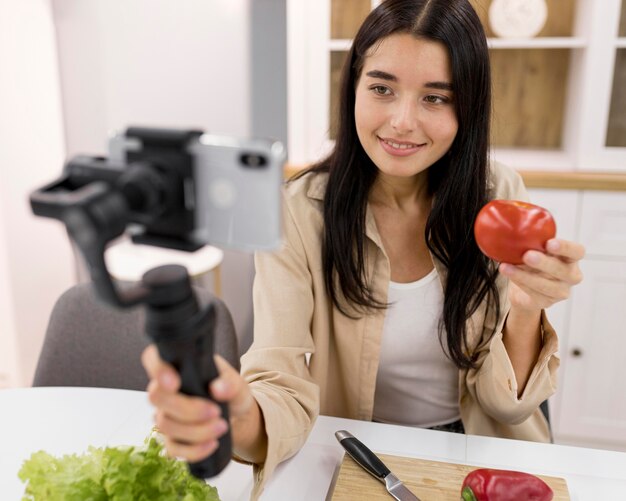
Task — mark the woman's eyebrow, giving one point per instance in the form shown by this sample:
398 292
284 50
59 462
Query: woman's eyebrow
439 85
383 75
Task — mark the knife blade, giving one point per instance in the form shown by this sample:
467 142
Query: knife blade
372 464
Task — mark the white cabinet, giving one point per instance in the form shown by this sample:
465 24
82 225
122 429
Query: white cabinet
603 224
589 407
593 393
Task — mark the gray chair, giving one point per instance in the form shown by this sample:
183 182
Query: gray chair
89 343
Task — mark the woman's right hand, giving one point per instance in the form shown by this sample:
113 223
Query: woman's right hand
192 425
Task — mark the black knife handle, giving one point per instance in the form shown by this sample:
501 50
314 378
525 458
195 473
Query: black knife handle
362 454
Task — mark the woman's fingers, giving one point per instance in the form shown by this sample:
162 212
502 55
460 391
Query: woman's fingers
190 433
545 278
549 274
549 265
556 267
532 282
529 299
158 370
193 425
231 387
182 407
570 251
190 451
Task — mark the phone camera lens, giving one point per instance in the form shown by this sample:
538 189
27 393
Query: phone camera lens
253 160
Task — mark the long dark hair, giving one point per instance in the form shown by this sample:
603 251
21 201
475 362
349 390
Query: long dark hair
458 181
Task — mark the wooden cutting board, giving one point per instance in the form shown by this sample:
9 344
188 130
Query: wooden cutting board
429 480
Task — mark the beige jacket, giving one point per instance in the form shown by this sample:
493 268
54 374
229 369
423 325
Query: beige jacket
294 319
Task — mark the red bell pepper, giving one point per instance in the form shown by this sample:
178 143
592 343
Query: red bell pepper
485 484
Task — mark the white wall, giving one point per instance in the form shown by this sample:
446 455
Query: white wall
8 347
71 71
171 63
154 62
35 259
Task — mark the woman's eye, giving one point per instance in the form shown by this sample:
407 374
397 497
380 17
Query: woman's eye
436 99
381 90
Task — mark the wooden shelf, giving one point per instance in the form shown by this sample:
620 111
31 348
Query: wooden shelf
557 180
343 44
537 43
575 180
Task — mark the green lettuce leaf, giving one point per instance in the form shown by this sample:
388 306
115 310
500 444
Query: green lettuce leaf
112 473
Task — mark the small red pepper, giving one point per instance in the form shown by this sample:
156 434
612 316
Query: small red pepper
485 484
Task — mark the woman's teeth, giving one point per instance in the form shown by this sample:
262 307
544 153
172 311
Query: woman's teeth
400 146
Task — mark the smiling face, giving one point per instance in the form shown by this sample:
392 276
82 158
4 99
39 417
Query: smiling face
404 108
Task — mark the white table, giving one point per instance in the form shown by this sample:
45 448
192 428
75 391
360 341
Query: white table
591 475
67 420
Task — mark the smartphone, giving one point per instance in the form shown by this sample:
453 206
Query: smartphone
235 189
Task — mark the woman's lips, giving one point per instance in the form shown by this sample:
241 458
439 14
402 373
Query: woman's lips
399 149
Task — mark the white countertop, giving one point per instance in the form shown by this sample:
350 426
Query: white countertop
68 420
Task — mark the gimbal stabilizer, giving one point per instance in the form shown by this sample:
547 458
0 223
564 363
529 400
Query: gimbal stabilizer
153 190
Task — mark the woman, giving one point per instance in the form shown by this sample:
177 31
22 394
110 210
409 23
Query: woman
380 305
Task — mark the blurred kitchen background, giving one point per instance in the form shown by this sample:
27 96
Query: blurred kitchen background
73 71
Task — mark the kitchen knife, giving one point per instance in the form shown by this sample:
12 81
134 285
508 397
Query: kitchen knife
374 466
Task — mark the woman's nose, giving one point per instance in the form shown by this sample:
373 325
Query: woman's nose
405 116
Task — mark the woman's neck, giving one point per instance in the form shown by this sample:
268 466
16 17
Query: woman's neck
394 192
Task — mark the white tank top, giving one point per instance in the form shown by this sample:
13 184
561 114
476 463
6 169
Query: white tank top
416 385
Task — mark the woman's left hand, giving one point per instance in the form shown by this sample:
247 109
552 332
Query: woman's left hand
545 278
